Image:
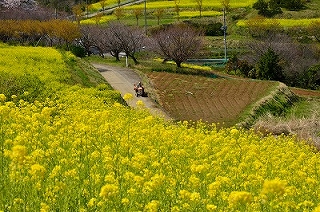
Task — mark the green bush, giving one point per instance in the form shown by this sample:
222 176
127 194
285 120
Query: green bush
213 29
209 29
294 4
239 67
78 51
269 67
273 7
310 78
267 9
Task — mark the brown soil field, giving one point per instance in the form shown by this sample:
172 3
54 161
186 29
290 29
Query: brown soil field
305 93
213 100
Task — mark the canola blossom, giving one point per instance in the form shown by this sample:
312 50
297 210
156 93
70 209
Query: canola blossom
84 151
281 22
186 65
207 4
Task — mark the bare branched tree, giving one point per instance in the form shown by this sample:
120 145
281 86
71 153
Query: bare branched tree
119 13
77 12
109 43
178 43
90 38
158 13
131 38
199 4
10 3
117 37
225 4
22 4
98 17
295 58
137 13
177 8
102 4
38 13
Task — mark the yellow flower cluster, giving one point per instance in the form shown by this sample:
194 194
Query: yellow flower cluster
82 151
283 22
237 198
193 4
108 191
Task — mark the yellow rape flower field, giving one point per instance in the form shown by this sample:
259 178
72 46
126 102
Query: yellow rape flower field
83 150
280 22
165 4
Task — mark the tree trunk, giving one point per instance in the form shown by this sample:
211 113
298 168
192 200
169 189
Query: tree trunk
134 59
165 60
100 52
115 54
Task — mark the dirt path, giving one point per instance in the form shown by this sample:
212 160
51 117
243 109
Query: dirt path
122 80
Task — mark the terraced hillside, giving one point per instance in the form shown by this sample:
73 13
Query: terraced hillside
218 100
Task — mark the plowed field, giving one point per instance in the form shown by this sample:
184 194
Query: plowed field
305 93
213 100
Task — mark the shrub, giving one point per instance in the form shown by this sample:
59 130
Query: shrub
209 29
267 9
241 66
269 67
294 4
213 29
78 51
310 78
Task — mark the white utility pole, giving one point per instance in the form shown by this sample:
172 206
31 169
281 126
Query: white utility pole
225 34
145 16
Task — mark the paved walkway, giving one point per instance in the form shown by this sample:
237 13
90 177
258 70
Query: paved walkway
114 7
122 80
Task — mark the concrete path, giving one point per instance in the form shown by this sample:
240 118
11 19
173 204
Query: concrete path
113 7
122 80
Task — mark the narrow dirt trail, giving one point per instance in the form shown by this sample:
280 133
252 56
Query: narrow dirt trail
122 80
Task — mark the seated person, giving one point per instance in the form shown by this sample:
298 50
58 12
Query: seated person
138 87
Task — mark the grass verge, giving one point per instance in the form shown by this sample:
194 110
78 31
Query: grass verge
279 100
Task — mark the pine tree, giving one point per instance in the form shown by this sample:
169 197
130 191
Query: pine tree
269 67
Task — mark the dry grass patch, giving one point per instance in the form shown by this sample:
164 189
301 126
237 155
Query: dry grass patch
304 128
302 120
